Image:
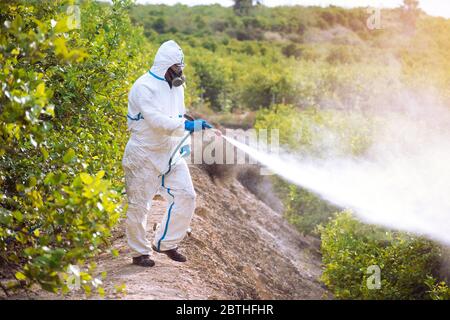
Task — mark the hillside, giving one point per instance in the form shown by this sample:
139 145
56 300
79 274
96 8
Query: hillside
239 249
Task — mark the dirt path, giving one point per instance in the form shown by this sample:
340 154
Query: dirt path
239 249
167 280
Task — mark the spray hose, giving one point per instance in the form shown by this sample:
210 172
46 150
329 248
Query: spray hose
174 153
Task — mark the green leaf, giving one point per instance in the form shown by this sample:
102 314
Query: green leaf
20 276
69 156
40 89
86 178
50 110
17 23
62 26
18 215
32 181
114 252
101 291
44 153
60 47
50 179
100 174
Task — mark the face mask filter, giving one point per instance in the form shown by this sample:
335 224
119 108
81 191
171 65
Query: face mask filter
178 81
176 78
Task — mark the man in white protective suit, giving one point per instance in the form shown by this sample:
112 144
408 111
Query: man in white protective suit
157 125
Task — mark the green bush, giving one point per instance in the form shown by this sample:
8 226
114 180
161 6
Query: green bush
212 81
344 54
305 210
438 290
349 248
292 50
62 135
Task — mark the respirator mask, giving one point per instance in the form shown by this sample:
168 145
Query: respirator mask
175 75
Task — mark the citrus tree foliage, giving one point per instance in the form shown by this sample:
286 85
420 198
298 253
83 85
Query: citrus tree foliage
438 290
305 56
288 21
63 101
407 263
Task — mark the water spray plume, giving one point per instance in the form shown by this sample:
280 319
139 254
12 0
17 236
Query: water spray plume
403 182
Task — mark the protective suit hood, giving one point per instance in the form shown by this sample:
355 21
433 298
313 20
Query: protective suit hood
168 54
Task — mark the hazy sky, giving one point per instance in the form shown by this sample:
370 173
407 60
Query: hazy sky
432 7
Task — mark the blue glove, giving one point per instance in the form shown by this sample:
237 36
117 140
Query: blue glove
196 125
185 150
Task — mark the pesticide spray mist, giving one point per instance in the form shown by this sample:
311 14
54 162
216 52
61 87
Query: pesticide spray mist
402 181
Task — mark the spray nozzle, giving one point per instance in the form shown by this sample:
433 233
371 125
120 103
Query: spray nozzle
217 132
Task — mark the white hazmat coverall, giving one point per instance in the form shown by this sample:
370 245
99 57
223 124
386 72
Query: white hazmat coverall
155 120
